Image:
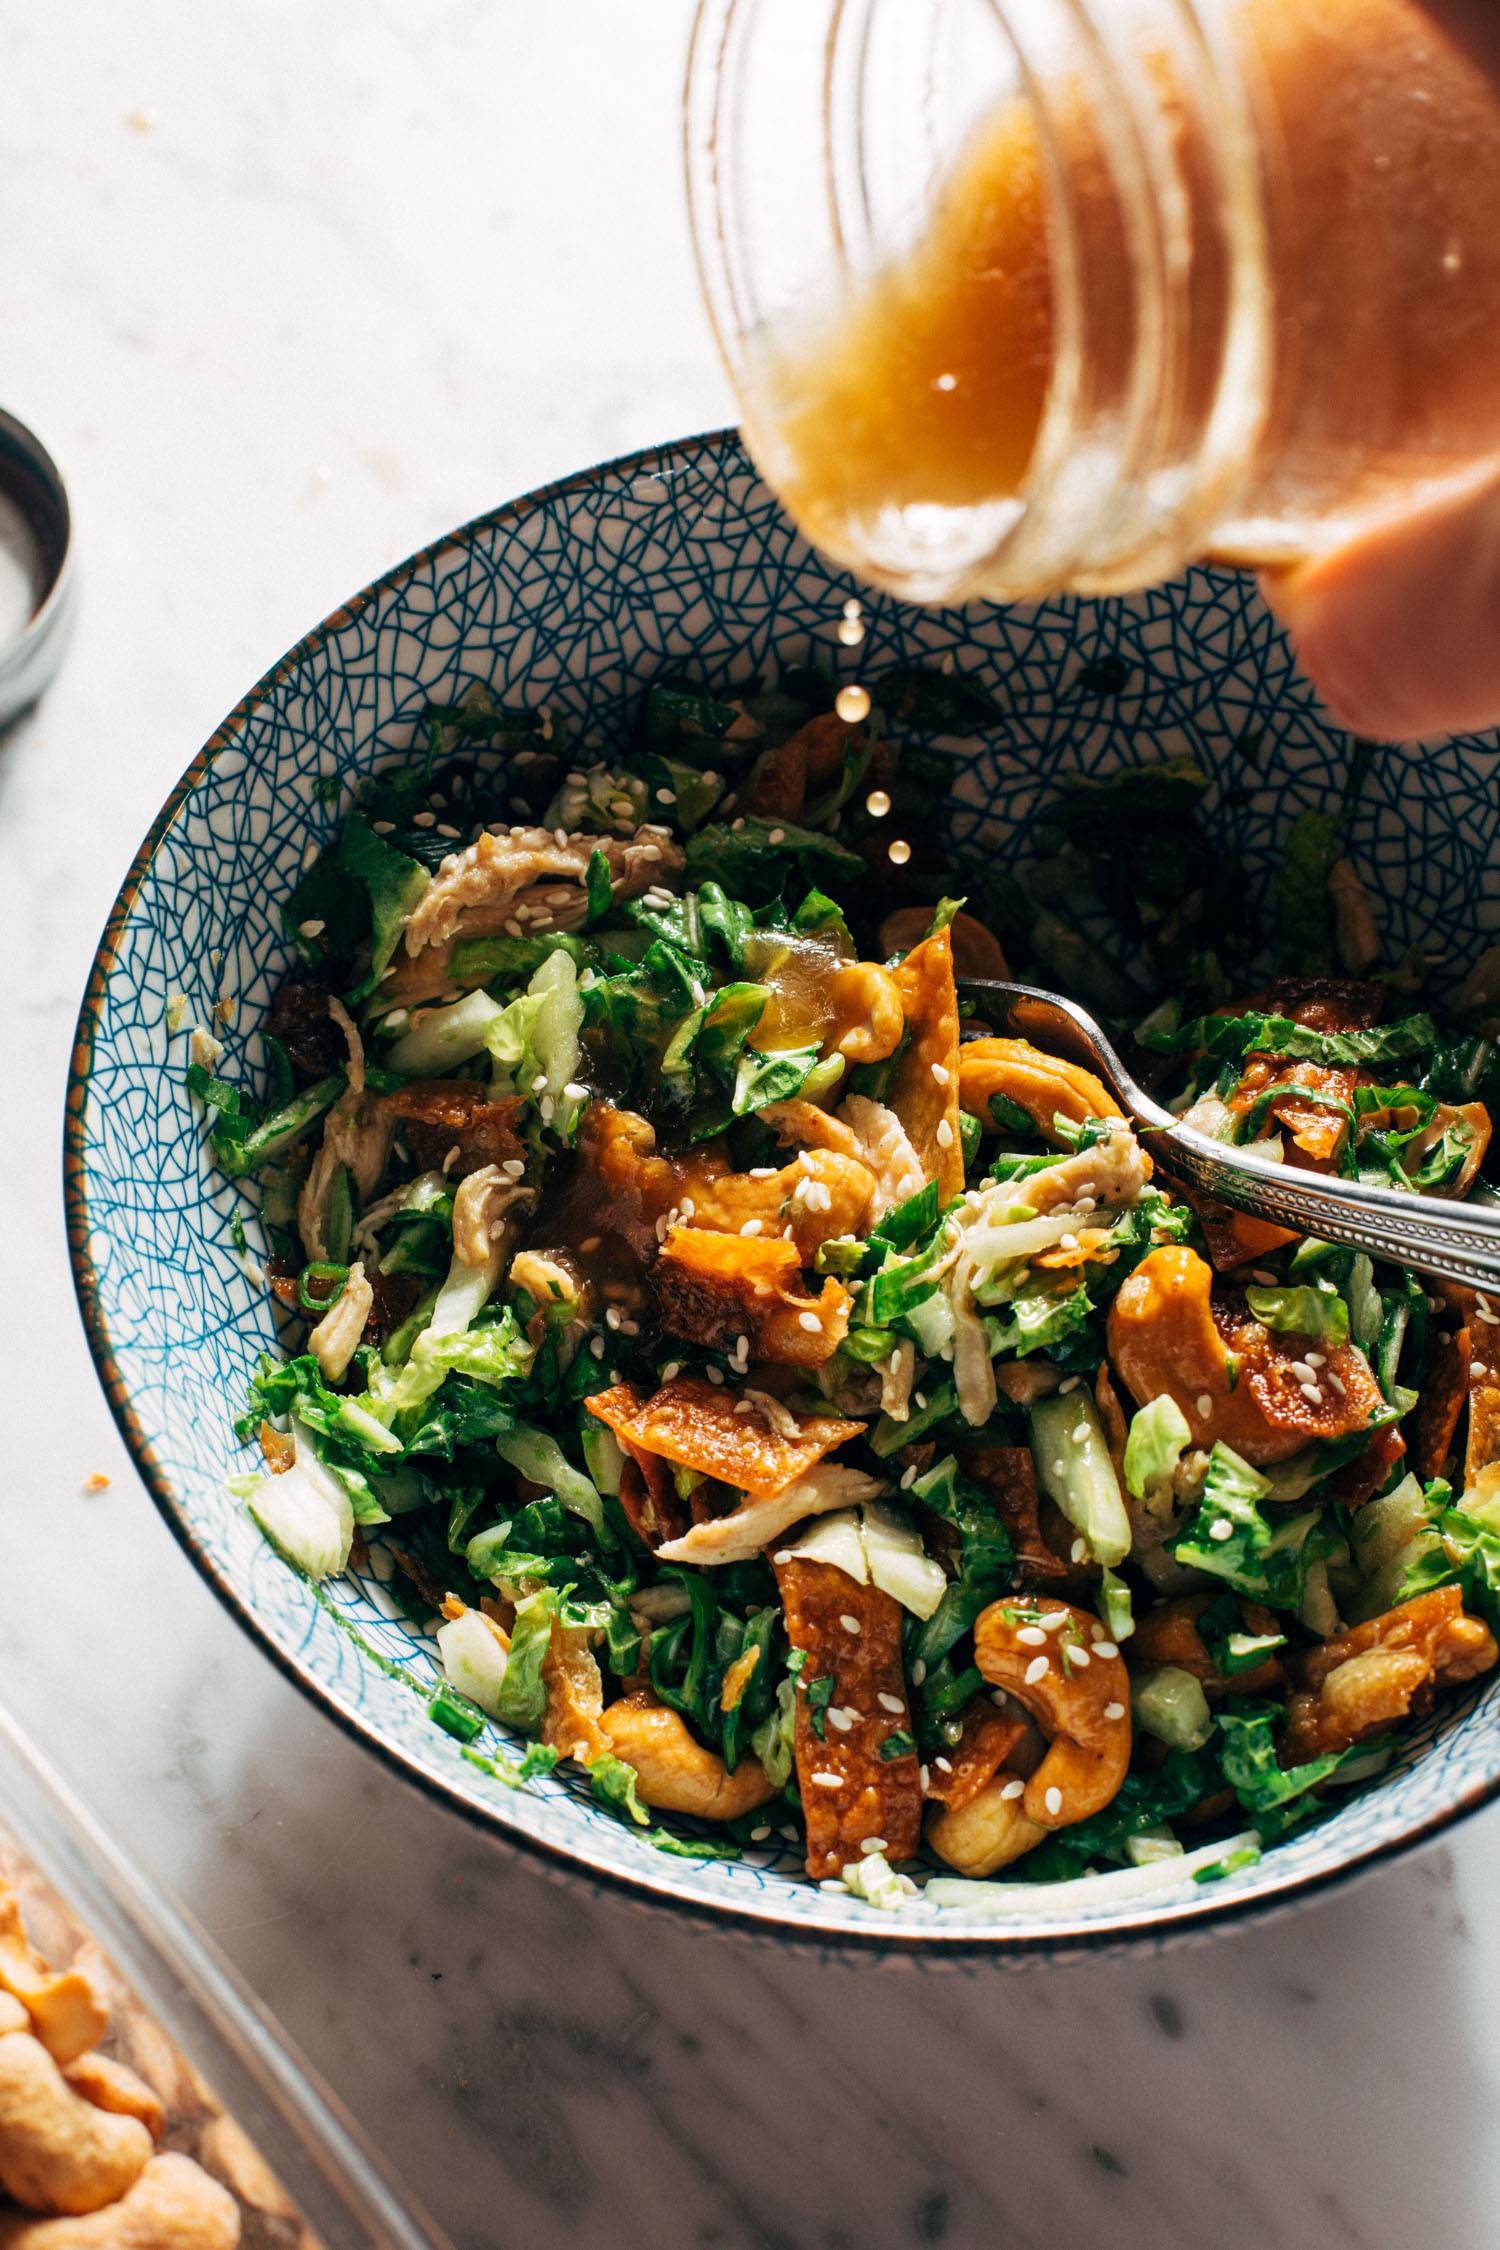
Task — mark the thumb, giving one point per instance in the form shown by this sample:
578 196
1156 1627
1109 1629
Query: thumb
1399 630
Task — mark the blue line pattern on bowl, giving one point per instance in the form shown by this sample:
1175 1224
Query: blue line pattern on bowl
673 561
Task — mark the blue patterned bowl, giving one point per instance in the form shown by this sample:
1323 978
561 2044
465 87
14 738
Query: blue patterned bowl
576 596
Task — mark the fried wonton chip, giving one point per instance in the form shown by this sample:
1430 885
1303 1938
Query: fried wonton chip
1006 1474
1483 1448
712 1429
1385 1670
575 1695
649 1497
850 1793
1042 1085
1432 1429
823 1194
924 1084
438 1115
956 1776
1369 1472
713 1288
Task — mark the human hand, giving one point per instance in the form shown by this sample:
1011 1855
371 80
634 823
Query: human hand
1400 629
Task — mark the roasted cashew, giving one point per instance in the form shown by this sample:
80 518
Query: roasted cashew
57 2152
66 2011
991 1830
1242 1386
174 2205
675 1773
113 2086
867 1016
1043 1085
1071 1678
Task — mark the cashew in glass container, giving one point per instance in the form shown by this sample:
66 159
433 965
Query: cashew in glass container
113 2086
1042 1085
675 1773
65 2008
987 1833
1059 1663
174 2205
57 2152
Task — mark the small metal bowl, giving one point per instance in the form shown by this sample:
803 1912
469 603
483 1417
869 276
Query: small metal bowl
38 588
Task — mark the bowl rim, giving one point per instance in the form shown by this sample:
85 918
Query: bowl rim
889 1937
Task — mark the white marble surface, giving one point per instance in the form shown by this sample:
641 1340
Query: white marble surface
290 286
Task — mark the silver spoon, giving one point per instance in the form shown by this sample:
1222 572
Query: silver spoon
1457 1241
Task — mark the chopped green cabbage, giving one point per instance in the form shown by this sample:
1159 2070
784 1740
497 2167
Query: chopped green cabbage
1073 1468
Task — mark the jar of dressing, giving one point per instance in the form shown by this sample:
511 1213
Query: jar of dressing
1029 295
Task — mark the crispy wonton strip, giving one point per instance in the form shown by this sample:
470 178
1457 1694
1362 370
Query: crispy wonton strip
850 1793
699 1425
575 1695
1483 1448
988 1738
713 1288
924 1085
1445 1387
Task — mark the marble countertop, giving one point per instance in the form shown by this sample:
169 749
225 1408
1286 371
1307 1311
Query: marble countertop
293 288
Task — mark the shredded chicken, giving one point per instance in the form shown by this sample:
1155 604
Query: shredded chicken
352 1041
882 1144
481 1204
751 1528
335 1340
356 1132
476 892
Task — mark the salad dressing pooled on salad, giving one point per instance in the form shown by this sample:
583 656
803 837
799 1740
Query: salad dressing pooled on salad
802 1413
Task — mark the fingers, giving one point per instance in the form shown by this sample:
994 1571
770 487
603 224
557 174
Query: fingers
1399 630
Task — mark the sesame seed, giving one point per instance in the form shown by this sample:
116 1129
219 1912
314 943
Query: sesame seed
839 1719
908 1478
383 827
1266 1280
888 1702
918 1672
944 1765
762 1172
1080 1435
759 1835
751 1226
715 1374
827 1780
596 1346
1011 1790
1316 1359
312 928
1205 1406
1337 1382
810 1322
851 1624
1114 1710
1067 1241
1078 1656
742 1347
444 828
1071 1384
1032 1636
777 836
512 927
611 1316
1301 1370
575 1092
1036 1670
424 820
940 1072
1477 1370
671 1371
1105 1648
869 1844
924 1779
1078 1551
1053 1802
944 1133
1311 1393
668 797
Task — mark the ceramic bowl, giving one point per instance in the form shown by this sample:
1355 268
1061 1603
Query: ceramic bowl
676 560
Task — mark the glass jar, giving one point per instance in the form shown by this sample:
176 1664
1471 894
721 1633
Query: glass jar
1026 295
